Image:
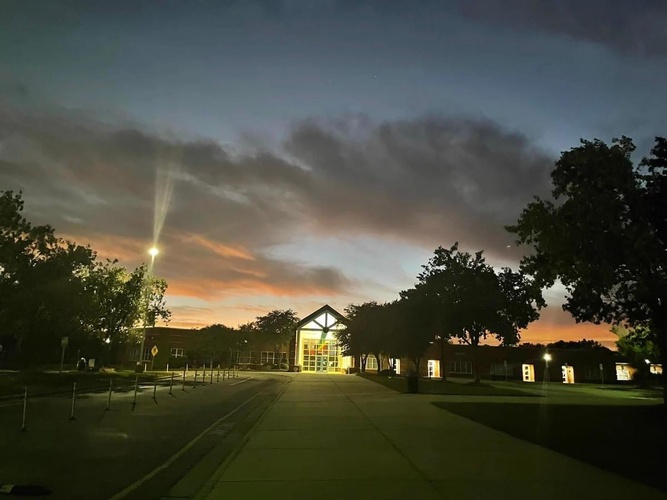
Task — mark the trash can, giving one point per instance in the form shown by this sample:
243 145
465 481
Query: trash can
413 384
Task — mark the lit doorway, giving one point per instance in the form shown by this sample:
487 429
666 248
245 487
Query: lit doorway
528 372
568 374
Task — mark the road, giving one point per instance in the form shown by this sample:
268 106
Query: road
131 454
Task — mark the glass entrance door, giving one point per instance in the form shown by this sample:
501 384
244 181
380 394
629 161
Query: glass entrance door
320 356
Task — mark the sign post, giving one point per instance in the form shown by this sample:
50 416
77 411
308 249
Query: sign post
63 344
154 352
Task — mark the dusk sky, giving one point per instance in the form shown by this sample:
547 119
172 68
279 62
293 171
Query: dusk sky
288 154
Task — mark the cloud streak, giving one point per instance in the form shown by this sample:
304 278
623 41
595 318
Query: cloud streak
624 27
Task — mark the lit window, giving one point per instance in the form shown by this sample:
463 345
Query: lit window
371 363
176 352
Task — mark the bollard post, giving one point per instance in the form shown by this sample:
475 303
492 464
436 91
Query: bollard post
72 417
25 406
183 388
218 380
136 387
186 368
167 367
194 385
171 382
109 398
155 389
203 377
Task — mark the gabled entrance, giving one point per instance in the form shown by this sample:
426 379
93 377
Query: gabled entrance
316 346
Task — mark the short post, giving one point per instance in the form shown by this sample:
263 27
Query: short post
186 368
109 398
25 406
183 388
136 387
218 379
203 377
167 367
194 385
72 417
171 382
155 389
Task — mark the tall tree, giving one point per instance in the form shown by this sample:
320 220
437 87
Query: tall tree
277 327
604 236
41 294
480 302
411 326
359 337
121 302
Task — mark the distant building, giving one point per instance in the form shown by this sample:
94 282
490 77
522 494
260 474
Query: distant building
315 349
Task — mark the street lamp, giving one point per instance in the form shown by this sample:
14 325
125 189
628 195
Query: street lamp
547 358
153 251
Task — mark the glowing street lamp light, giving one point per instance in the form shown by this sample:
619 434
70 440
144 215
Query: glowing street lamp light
153 252
547 357
647 361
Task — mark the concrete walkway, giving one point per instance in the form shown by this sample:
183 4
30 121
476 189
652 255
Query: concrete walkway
343 437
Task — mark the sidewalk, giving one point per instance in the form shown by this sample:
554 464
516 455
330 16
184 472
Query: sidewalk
343 437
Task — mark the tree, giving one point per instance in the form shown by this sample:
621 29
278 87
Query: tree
277 327
361 332
41 294
122 302
604 236
637 346
478 301
213 343
577 344
411 326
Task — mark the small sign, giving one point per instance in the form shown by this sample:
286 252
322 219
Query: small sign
154 351
64 341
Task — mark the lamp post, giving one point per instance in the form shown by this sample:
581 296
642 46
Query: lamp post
547 358
153 253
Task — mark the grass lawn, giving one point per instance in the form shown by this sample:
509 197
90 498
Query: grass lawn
627 440
40 383
427 386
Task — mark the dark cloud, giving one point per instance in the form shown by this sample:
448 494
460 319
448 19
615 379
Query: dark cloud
636 27
427 181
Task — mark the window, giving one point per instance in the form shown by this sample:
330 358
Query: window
147 354
371 363
269 357
176 352
502 369
245 357
462 367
